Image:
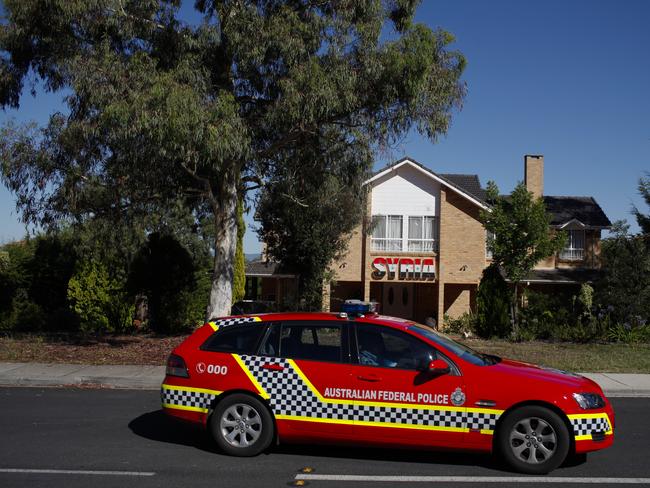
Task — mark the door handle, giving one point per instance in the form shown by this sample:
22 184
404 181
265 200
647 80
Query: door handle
273 367
370 377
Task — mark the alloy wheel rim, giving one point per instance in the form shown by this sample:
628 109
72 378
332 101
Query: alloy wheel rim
533 440
241 425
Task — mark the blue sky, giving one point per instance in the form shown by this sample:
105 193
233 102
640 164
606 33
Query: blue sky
566 79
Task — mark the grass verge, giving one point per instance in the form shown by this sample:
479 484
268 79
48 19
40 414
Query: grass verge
596 358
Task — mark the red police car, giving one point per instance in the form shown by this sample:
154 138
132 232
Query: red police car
375 380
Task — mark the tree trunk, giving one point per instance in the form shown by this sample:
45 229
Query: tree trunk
225 246
515 310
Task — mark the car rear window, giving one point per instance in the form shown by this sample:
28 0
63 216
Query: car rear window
316 341
242 339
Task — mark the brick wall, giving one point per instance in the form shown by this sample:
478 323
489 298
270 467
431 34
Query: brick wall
459 299
592 254
349 266
462 240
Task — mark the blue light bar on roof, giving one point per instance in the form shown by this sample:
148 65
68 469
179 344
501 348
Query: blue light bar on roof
358 307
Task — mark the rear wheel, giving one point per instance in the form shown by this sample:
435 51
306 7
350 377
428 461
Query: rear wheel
241 425
533 440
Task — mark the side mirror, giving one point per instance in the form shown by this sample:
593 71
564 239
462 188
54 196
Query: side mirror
438 367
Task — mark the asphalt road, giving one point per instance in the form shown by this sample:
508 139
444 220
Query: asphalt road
124 435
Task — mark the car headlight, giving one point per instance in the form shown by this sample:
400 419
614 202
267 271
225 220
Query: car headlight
589 401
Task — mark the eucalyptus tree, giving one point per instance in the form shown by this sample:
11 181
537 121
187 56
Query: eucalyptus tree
160 109
643 219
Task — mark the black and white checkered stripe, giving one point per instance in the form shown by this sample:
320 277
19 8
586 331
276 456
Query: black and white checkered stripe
291 396
482 420
232 321
589 426
184 398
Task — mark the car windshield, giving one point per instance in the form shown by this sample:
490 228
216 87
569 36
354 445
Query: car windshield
466 353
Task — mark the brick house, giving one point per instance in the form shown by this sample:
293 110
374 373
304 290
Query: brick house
422 249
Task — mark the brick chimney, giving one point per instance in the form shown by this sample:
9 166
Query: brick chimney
534 174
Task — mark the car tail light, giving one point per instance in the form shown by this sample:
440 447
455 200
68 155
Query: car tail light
176 366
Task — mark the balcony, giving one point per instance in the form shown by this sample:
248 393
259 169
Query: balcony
572 254
422 245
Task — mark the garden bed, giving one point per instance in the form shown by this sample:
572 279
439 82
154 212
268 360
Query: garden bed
128 349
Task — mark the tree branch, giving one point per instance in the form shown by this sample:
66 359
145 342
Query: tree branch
123 12
204 181
295 200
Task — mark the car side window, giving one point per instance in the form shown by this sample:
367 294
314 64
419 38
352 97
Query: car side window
388 348
271 344
316 341
242 339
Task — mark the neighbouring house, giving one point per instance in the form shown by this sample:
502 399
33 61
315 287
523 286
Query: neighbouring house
266 283
422 249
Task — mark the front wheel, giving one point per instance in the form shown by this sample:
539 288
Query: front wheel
241 425
533 440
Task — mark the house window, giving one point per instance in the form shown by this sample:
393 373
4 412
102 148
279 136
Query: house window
574 250
489 238
422 234
387 233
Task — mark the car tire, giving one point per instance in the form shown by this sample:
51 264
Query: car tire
533 440
241 425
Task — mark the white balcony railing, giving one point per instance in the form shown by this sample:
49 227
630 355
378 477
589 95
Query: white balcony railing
572 254
422 245
385 244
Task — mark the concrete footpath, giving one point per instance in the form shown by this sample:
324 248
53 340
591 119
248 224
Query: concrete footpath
40 374
150 377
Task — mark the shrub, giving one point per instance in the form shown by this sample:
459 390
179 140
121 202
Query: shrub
195 300
98 301
635 331
465 324
23 316
492 303
563 316
164 272
15 280
625 286
52 266
546 316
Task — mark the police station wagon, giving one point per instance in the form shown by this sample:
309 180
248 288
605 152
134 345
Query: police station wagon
374 380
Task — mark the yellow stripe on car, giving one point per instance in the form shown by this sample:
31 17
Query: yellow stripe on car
259 388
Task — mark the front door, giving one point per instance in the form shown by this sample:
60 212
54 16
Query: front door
398 300
401 404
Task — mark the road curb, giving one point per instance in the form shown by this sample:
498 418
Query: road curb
81 382
627 394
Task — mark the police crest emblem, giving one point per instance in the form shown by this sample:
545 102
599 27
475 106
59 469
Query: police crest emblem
458 397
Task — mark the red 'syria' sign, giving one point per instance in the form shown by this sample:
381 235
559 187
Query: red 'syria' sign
420 269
